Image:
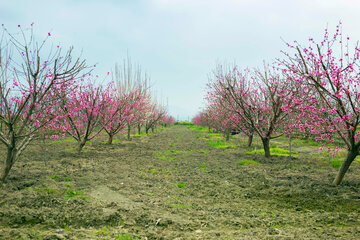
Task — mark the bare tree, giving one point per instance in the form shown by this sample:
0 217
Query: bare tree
133 83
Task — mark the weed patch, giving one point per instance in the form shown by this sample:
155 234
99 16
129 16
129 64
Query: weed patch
203 151
70 193
159 172
245 162
67 140
138 135
336 163
197 128
307 142
220 144
178 205
273 151
45 190
181 185
203 167
67 179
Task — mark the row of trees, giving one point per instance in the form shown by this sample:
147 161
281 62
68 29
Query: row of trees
313 90
43 89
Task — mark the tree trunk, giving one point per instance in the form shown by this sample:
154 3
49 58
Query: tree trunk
290 147
9 162
139 129
227 134
345 166
81 146
44 149
147 130
266 144
128 132
152 130
110 139
250 140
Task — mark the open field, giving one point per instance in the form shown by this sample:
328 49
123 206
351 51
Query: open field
178 183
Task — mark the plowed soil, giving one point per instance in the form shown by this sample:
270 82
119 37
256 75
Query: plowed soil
172 185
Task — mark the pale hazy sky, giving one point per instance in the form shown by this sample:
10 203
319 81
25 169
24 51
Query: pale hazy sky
178 42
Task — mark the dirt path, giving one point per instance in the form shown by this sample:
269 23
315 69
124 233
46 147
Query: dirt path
172 185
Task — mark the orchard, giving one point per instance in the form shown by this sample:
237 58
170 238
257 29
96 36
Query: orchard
272 155
312 92
42 91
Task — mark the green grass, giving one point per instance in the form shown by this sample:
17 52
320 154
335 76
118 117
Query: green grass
152 171
184 123
216 140
68 140
245 162
70 193
171 152
46 190
142 133
54 142
217 144
167 158
203 167
178 205
216 135
181 185
65 179
164 157
203 151
203 138
85 147
273 151
307 141
336 163
158 172
115 140
220 144
197 128
125 236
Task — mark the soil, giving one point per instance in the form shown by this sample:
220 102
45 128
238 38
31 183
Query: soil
173 185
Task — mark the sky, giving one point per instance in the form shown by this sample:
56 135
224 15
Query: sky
179 42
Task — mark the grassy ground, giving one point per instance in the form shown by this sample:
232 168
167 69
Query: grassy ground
179 183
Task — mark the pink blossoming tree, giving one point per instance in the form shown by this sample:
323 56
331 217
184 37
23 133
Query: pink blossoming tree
87 111
30 75
328 73
258 98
